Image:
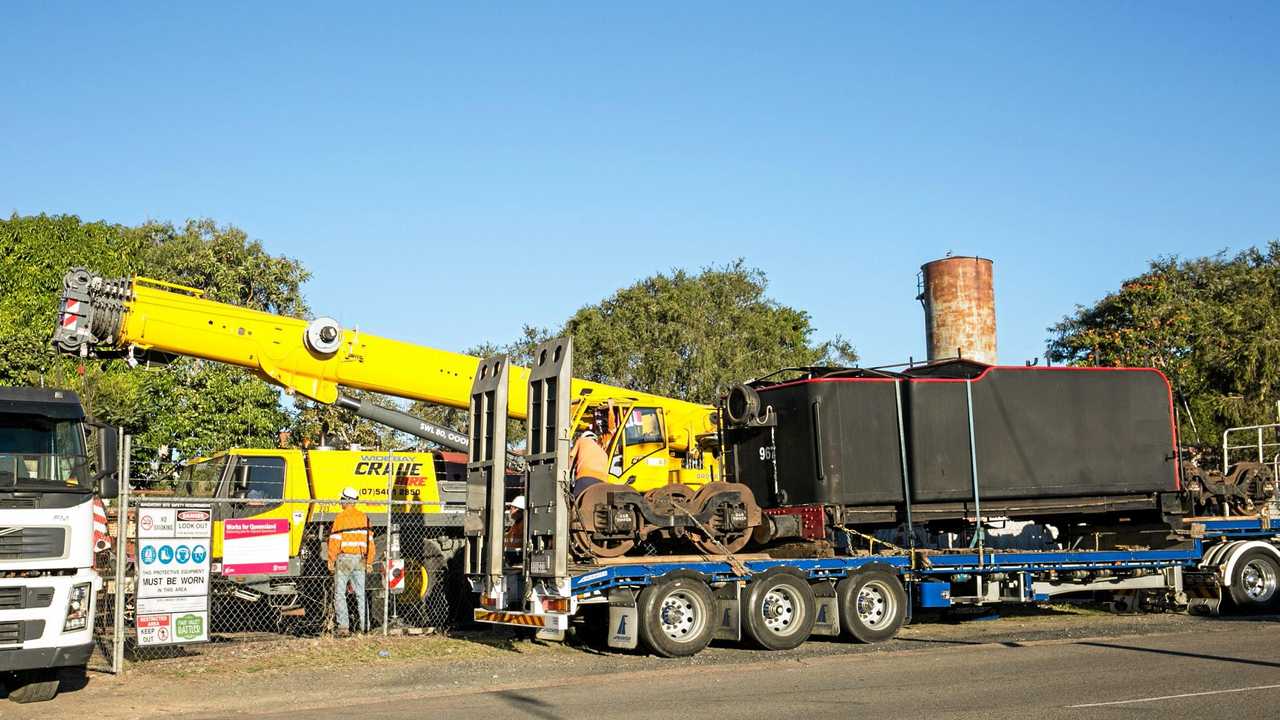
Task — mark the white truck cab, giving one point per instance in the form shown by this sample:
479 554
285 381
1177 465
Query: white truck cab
48 584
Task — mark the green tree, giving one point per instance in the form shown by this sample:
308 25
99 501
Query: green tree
224 263
35 252
1211 324
691 336
192 406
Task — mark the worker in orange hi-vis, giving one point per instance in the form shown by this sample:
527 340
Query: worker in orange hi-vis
589 461
351 555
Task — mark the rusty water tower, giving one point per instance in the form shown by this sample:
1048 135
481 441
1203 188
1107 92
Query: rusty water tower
959 309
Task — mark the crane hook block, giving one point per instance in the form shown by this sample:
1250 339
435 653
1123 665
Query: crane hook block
324 336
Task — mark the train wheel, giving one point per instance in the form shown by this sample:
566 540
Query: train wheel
588 508
873 605
724 541
675 616
779 611
1255 579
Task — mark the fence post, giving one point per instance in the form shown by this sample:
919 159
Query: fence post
386 543
122 551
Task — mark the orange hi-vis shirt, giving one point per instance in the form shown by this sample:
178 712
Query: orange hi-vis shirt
351 535
589 460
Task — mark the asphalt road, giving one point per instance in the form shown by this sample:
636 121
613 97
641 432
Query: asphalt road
1232 671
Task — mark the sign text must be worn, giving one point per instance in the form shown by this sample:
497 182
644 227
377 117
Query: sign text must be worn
173 574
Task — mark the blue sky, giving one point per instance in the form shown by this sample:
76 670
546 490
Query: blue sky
543 155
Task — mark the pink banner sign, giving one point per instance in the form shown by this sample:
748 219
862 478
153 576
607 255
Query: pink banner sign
255 546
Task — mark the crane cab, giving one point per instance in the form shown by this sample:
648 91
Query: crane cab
639 442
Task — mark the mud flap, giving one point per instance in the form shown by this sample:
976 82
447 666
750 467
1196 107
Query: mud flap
624 620
1203 592
827 609
728 612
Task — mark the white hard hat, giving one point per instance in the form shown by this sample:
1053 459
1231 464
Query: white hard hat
349 493
588 433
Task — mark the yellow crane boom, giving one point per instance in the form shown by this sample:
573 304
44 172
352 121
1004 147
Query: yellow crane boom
312 358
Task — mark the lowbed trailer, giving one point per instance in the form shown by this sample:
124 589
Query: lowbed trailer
676 605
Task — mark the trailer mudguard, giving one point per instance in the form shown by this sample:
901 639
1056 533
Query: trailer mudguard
1232 552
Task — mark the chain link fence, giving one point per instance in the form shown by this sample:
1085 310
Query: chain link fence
270 577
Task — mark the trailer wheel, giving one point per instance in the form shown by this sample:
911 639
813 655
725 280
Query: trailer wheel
30 686
675 616
873 605
779 611
1255 579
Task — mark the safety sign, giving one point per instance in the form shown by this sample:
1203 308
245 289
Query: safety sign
173 574
255 546
169 628
167 522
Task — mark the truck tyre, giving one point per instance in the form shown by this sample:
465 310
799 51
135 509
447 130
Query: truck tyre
30 686
675 616
1255 579
779 611
873 605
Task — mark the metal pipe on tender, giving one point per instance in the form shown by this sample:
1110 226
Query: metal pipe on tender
973 469
902 451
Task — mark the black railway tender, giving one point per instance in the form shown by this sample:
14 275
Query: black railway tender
939 443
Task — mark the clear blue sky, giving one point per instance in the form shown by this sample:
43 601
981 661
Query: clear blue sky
410 157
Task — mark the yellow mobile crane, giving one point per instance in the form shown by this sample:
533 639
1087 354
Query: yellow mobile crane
665 470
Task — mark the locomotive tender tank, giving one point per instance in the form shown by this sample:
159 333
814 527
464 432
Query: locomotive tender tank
1039 433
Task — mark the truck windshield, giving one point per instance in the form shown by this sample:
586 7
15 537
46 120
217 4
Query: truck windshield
200 478
42 453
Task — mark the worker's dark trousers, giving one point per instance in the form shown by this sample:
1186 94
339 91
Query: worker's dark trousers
583 483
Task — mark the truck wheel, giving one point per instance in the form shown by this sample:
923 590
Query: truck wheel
1255 579
873 605
675 616
779 611
30 686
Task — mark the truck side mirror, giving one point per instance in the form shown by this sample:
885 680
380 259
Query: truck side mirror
108 477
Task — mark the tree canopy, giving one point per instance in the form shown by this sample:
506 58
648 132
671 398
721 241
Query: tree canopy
1211 324
194 407
691 336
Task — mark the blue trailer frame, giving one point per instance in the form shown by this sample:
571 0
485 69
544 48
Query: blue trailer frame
931 579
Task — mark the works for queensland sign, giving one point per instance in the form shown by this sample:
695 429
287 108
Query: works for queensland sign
255 546
173 574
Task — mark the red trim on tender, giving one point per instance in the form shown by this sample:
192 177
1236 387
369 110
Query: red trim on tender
1173 426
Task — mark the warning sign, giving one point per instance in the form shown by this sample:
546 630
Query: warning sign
173 567
170 628
173 574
